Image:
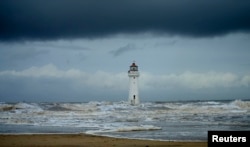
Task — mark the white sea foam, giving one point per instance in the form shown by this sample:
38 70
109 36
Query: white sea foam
138 128
125 129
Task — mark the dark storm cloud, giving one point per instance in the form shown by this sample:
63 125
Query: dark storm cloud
55 19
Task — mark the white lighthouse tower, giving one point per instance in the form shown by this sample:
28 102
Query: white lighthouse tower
133 74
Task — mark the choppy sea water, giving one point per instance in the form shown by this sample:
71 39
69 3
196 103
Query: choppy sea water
188 120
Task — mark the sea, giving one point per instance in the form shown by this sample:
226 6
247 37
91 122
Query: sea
172 121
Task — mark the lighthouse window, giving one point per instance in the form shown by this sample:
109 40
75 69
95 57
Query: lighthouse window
133 68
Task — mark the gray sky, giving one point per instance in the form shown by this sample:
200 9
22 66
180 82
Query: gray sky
81 50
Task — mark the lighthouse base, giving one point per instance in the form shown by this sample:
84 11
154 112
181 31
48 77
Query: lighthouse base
134 100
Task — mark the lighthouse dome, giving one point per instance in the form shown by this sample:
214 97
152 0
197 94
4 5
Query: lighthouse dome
133 64
133 67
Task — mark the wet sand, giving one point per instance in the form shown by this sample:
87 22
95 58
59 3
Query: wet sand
85 141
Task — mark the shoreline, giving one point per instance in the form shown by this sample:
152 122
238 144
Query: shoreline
145 139
70 139
98 135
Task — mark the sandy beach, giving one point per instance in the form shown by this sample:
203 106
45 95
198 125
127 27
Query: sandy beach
85 140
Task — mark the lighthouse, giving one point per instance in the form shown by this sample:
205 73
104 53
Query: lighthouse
133 74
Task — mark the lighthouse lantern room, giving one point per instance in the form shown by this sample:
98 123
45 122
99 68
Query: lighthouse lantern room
133 75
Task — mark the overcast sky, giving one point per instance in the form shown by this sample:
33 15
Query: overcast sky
81 50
